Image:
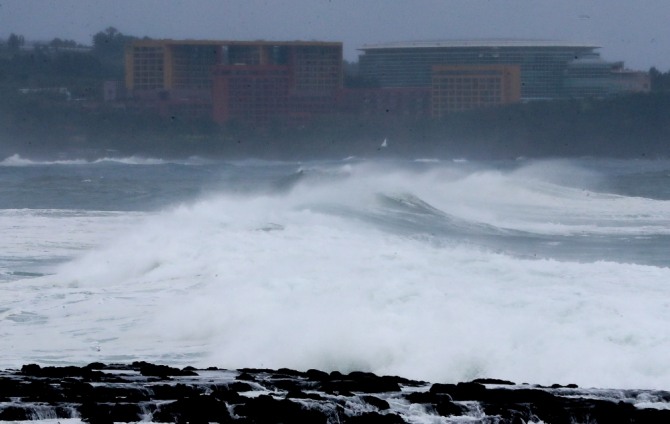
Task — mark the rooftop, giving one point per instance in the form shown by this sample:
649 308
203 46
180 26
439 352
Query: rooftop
161 42
490 43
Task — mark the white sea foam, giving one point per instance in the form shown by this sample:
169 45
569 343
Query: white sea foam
44 238
18 160
132 160
300 279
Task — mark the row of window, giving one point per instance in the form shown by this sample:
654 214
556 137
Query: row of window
465 84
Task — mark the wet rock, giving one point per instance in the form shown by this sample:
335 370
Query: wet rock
171 392
61 372
492 381
14 413
298 394
162 371
96 366
460 391
105 413
245 376
199 409
100 393
380 404
447 408
266 409
361 382
316 375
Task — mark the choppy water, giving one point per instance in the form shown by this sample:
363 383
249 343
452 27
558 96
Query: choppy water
538 271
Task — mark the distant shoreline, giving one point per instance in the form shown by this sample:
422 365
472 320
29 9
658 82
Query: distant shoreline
636 126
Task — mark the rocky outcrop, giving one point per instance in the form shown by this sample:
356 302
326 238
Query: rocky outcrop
99 393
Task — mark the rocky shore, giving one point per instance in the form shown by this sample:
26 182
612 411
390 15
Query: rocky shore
100 393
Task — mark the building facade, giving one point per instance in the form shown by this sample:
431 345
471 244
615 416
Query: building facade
458 88
239 80
260 82
548 70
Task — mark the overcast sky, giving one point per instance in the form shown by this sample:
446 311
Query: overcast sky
636 31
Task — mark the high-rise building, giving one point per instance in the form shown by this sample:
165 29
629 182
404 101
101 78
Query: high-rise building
238 80
548 69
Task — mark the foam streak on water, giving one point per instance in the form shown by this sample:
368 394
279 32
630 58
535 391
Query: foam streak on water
441 272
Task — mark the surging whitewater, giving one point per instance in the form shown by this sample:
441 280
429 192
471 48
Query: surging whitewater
437 271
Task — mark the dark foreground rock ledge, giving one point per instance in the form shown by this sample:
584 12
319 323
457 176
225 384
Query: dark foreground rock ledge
141 391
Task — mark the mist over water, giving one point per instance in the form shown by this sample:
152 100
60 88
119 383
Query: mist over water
545 272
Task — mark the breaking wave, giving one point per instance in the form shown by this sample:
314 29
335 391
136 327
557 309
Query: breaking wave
444 272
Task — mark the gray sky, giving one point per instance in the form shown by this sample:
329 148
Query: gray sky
636 31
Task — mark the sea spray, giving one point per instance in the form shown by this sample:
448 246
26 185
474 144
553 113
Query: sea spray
326 274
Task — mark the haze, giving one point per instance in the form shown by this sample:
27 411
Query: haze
635 32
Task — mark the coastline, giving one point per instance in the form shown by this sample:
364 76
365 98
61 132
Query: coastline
141 391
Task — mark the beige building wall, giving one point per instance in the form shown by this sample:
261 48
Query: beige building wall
465 87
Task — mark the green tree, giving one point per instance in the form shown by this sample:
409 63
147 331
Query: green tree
109 47
660 81
14 43
59 43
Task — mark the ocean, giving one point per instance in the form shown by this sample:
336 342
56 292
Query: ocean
539 271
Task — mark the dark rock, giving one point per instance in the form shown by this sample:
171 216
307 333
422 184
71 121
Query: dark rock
265 409
287 384
299 394
77 390
198 409
447 408
517 396
40 391
441 402
61 372
469 391
257 370
600 411
14 413
228 395
653 416
117 394
460 391
171 392
162 371
515 414
425 397
317 375
569 386
492 381
31 369
442 388
94 412
106 397
245 376
380 404
361 382
240 387
96 366
9 388
287 372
